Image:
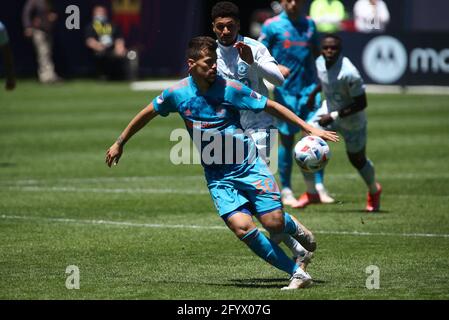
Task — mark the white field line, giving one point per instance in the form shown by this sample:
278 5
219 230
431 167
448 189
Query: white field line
159 85
180 226
107 190
201 178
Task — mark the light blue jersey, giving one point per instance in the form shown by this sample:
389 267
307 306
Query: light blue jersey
216 114
291 44
3 35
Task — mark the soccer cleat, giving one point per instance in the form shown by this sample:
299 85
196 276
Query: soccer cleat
288 199
299 280
324 195
373 201
305 237
303 261
305 199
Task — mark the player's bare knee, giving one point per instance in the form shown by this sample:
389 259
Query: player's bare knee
242 232
240 224
273 221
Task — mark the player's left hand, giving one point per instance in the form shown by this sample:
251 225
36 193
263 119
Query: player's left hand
245 52
113 154
326 135
325 120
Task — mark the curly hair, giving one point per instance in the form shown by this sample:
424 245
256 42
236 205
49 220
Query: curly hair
224 9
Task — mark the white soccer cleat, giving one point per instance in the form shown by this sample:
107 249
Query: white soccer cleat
324 195
299 280
287 197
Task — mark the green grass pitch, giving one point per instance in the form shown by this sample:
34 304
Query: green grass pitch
147 229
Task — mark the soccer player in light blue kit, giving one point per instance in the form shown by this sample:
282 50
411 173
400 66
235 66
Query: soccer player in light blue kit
248 61
344 111
293 41
209 106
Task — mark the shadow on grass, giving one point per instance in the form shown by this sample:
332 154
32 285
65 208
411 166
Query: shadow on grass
275 283
361 211
7 165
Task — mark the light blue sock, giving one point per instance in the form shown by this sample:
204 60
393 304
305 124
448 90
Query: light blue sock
289 224
285 161
269 251
319 177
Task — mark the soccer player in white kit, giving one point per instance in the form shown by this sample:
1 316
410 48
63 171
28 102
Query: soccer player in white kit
249 61
343 110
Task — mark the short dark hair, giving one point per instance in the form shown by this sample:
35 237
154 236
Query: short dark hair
198 44
332 36
224 9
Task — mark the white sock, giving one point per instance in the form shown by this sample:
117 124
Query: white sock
309 179
294 246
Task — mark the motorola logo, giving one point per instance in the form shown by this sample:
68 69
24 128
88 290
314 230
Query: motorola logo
385 59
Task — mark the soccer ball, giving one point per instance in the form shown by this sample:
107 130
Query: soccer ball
312 154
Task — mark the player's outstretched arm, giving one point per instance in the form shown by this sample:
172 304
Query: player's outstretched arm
140 120
283 113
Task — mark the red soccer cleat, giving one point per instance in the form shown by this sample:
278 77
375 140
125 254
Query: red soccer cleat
373 201
307 198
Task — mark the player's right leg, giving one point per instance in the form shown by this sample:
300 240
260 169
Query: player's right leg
278 222
355 141
315 190
286 137
241 223
366 171
285 163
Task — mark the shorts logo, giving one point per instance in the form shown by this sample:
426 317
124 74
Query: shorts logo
255 95
160 99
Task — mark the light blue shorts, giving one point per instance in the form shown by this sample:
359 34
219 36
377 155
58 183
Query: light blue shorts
256 187
296 103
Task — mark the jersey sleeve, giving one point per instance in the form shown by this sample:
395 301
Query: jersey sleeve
355 83
164 103
263 55
266 35
243 97
315 38
3 35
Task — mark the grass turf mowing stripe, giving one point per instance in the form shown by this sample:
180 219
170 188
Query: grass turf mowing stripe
181 226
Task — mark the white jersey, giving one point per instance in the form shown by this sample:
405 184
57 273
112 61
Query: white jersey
340 84
230 65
